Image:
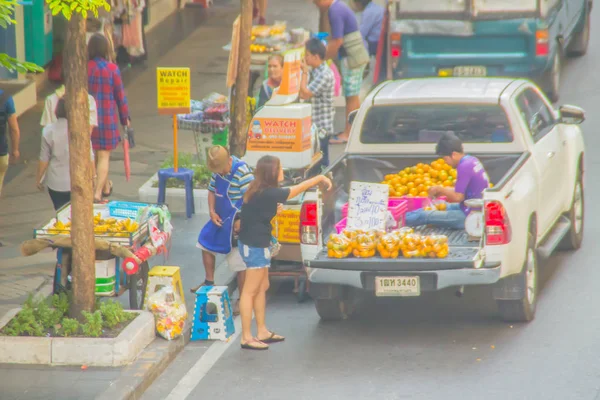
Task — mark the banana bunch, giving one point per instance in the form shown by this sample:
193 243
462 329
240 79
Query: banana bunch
114 227
109 226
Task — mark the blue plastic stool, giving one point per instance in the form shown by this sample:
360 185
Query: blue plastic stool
183 174
213 318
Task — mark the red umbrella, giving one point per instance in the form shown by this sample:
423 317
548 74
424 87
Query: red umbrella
126 139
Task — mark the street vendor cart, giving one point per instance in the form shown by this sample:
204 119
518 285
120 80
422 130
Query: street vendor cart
127 235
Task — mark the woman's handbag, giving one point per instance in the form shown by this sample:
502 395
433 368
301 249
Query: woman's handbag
356 52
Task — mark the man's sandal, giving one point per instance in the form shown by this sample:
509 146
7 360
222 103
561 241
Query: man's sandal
251 346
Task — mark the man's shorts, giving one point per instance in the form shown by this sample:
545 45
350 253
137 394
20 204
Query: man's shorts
233 259
352 79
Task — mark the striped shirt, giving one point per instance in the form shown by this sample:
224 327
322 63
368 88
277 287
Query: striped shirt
240 182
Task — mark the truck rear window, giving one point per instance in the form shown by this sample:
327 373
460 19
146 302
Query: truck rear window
426 123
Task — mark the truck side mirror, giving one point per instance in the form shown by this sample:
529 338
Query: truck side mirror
571 114
351 116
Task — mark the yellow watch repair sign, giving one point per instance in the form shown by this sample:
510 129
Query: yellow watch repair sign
173 87
286 226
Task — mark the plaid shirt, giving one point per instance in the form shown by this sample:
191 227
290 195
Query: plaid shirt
106 86
321 85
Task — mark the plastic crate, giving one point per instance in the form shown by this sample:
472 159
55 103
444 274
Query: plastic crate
414 203
125 209
397 206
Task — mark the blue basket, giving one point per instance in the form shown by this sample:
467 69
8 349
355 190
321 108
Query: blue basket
125 209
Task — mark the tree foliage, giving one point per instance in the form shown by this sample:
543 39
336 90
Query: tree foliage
65 7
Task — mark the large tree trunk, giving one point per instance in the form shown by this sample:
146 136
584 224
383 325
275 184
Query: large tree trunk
82 217
239 129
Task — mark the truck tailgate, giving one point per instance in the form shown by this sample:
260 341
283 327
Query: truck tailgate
462 255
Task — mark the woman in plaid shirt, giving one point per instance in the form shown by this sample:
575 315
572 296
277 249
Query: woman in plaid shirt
106 86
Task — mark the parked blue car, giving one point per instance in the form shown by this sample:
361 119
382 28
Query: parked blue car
517 38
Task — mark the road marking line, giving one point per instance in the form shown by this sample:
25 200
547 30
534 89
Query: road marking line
189 382
215 351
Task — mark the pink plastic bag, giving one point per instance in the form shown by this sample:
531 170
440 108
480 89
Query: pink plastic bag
337 91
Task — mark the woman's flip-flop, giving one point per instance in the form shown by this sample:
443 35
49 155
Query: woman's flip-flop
103 201
250 346
274 338
110 185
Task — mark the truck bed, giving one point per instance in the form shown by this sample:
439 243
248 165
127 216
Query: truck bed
461 255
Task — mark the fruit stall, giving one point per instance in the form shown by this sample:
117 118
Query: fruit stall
403 192
126 236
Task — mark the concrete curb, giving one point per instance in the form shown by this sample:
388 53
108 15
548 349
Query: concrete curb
159 354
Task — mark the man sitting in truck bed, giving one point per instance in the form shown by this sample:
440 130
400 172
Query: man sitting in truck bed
471 181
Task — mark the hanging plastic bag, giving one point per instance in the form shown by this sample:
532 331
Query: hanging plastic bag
169 312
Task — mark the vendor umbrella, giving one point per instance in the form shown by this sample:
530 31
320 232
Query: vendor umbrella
128 142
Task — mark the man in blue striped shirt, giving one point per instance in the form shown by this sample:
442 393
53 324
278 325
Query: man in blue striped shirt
230 180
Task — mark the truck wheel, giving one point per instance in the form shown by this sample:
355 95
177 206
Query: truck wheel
573 239
579 44
551 80
333 309
524 310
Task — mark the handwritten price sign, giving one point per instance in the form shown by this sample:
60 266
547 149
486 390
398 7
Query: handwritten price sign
367 206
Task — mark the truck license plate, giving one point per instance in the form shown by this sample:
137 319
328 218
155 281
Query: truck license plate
470 70
403 286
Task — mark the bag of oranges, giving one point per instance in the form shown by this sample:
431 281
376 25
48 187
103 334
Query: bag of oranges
363 246
439 246
388 246
338 246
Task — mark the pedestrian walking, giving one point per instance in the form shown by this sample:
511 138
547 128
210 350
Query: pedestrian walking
370 23
347 46
8 119
106 86
53 167
230 179
262 201
320 92
49 114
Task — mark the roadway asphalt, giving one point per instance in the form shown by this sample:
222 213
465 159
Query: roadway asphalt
436 346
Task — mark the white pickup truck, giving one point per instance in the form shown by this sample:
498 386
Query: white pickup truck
532 152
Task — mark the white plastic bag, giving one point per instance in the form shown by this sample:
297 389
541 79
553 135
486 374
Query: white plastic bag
169 312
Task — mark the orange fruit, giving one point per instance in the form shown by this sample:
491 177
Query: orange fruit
421 188
423 194
452 173
411 178
410 185
441 207
420 171
413 191
447 183
404 180
434 173
418 181
426 168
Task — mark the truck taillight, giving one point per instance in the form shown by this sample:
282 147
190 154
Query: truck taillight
542 47
308 223
497 225
395 48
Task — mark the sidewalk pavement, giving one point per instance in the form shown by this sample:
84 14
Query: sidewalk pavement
181 40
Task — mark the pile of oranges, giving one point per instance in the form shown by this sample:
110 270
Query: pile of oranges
416 181
389 245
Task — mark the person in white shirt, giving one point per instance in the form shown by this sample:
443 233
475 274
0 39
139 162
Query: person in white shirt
53 167
49 114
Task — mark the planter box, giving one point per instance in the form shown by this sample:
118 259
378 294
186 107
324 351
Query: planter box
99 352
175 197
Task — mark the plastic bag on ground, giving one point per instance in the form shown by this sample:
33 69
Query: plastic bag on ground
169 312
